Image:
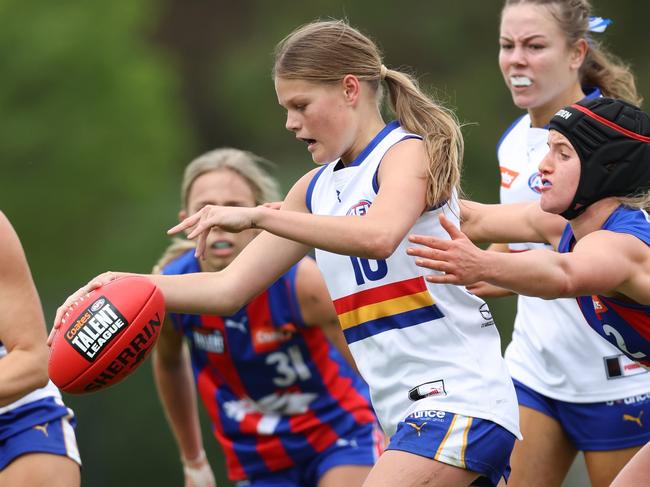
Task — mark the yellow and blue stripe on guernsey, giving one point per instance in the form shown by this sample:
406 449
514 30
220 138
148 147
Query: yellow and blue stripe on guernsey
396 305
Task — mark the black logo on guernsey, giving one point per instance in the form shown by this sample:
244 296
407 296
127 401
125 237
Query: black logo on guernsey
428 389
95 328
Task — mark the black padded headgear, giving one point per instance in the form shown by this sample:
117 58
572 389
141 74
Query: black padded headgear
612 140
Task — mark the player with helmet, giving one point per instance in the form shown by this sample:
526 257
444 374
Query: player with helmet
285 405
567 378
37 441
597 176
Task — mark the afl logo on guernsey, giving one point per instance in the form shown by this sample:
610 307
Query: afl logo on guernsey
535 182
359 209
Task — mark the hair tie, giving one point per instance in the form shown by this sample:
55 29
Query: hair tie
598 24
382 71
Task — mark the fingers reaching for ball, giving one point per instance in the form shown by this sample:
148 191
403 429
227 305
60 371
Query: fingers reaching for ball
63 311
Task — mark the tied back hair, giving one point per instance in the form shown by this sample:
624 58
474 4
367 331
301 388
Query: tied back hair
245 164
327 51
600 68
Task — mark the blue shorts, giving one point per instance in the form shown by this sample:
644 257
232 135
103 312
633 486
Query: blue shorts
42 426
362 449
595 426
470 443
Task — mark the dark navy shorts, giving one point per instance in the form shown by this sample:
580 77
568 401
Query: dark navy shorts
470 443
42 426
361 449
595 426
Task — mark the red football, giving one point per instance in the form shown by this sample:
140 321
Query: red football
106 335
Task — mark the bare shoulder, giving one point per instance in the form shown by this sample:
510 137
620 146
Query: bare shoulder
407 154
622 255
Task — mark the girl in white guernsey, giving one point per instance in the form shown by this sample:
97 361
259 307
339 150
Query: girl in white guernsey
430 354
575 390
37 440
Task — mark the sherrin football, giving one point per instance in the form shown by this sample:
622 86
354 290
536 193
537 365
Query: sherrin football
106 335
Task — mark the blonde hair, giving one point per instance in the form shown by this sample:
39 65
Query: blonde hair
600 68
245 164
640 202
327 51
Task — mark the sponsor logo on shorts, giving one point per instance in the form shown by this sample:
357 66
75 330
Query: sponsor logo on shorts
210 341
42 428
419 419
508 176
634 419
417 427
428 389
130 356
630 401
97 326
359 209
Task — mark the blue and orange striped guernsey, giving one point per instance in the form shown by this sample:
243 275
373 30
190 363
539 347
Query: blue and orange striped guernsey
276 390
396 305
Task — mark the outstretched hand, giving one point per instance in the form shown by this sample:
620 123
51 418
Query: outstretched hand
458 260
75 299
228 218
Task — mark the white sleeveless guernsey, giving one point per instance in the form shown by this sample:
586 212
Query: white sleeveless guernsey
419 346
50 390
553 350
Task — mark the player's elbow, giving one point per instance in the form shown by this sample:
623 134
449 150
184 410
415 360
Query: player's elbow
381 247
36 373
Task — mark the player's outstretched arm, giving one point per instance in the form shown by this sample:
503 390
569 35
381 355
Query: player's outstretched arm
518 222
402 172
22 325
484 289
601 262
175 385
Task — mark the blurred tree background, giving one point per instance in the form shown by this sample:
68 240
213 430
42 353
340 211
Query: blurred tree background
103 103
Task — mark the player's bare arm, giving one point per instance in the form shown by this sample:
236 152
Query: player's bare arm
542 273
367 236
22 325
518 222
